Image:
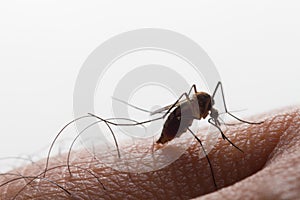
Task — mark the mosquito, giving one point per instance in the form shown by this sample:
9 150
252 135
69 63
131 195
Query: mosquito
181 114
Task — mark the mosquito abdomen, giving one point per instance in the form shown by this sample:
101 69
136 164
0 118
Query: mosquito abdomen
176 124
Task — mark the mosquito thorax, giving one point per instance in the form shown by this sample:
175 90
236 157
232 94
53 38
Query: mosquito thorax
204 104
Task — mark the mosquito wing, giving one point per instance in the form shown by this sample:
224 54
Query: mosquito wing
167 107
152 112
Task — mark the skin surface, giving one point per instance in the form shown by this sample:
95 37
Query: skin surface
269 168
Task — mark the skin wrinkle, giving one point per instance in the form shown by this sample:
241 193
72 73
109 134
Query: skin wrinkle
259 143
83 180
281 138
142 186
280 177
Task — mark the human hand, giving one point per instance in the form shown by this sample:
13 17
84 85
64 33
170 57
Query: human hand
269 168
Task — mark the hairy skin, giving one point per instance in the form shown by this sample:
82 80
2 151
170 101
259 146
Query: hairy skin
269 169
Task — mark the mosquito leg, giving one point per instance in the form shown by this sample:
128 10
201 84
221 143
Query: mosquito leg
193 87
219 84
74 120
181 96
147 121
244 120
211 169
92 124
176 102
223 135
227 124
188 94
52 144
133 124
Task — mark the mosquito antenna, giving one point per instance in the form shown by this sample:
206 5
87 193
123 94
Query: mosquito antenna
223 135
52 144
211 169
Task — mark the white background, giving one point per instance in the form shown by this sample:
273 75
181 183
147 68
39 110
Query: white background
254 45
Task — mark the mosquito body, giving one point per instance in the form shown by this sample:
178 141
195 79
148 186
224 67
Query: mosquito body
182 117
198 106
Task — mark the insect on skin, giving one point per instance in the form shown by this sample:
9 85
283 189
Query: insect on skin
180 116
185 111
199 106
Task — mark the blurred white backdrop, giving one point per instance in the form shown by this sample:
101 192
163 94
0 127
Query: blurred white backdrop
254 45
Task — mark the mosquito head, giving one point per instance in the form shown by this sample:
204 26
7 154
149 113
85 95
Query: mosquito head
214 114
212 101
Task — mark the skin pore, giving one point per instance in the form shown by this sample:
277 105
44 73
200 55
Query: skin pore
269 168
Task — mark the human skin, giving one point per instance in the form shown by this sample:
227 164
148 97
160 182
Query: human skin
269 168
